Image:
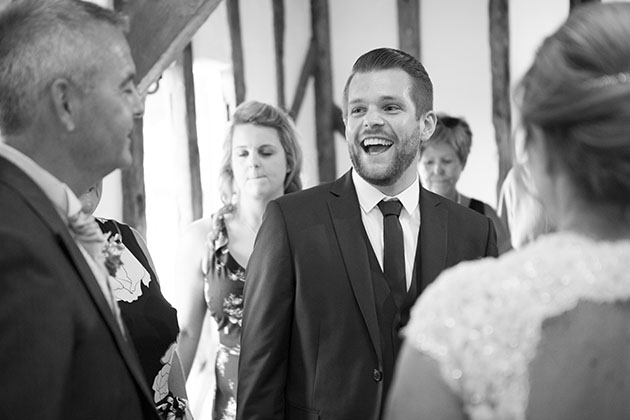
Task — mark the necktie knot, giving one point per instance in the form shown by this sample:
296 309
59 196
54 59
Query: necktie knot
390 207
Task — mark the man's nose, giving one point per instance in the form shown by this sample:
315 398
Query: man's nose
372 118
137 104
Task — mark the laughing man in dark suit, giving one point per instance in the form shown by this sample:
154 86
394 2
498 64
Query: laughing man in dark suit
322 309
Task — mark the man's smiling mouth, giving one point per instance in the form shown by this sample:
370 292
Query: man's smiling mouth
376 145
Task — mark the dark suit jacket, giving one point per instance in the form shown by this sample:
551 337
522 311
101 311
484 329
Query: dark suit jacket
310 346
62 355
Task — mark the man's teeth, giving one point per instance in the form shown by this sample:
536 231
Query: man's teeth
376 142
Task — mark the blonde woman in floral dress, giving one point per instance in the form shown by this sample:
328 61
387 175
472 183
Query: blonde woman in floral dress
262 161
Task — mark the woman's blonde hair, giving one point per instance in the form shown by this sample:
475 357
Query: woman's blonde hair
264 115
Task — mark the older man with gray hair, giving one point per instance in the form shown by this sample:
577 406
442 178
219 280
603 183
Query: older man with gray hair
67 107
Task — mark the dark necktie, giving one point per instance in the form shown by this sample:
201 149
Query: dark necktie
393 250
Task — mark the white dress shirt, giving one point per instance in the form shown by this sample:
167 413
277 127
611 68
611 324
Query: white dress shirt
372 218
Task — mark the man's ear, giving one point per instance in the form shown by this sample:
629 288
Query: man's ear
430 120
64 100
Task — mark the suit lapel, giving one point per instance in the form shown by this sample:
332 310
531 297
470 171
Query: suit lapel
35 198
433 238
346 218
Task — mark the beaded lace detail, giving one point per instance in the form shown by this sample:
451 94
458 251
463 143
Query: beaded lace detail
482 321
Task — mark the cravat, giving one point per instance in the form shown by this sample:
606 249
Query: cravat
393 250
85 230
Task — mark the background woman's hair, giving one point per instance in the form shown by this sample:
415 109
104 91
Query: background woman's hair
264 115
577 93
453 131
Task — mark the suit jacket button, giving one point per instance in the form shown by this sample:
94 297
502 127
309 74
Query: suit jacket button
377 375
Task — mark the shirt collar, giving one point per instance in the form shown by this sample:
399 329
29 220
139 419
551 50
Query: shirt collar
369 196
66 203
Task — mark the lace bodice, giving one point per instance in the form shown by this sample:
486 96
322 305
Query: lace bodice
482 321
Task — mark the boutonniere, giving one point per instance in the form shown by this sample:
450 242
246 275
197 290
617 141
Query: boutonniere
111 252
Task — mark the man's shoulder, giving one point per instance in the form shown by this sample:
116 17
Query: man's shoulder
23 205
306 197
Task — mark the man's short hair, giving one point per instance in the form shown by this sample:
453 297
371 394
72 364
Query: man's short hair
40 41
389 58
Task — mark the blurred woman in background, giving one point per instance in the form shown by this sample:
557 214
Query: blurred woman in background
442 160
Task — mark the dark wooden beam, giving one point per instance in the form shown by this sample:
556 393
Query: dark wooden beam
326 161
308 69
338 125
278 32
500 65
409 26
159 30
153 50
196 193
234 23
134 196
574 3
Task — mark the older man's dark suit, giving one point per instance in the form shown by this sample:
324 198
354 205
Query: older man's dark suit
62 355
312 345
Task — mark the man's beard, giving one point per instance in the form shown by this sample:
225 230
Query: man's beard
404 158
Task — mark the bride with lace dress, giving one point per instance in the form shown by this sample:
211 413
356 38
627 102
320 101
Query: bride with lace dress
544 332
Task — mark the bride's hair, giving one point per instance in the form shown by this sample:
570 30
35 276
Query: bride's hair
577 93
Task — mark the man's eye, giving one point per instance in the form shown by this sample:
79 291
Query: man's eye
129 89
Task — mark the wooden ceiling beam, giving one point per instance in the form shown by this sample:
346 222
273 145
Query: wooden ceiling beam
324 104
409 26
575 3
236 40
500 66
159 31
278 32
308 69
196 192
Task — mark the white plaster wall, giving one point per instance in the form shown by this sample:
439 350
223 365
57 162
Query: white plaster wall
455 51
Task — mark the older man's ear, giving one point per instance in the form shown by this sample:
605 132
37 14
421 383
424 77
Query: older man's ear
65 103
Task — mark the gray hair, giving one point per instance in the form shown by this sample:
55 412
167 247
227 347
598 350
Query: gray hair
40 41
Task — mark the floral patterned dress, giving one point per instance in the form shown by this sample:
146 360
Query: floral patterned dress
224 281
150 320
